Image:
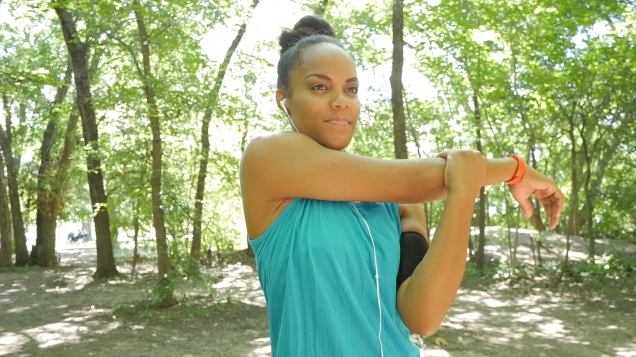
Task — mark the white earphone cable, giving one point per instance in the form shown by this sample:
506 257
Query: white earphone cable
282 104
377 278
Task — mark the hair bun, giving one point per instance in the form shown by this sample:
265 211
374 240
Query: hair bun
307 26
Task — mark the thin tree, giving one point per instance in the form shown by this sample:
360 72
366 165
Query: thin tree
397 100
6 250
78 51
12 164
213 96
163 257
479 254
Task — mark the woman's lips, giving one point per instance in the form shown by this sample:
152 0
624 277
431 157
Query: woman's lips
338 121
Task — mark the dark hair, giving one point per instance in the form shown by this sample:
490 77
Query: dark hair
308 31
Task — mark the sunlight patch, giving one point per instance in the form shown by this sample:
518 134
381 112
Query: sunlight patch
264 347
11 343
553 329
16 288
239 282
82 315
471 316
18 309
629 351
56 333
526 317
495 303
436 353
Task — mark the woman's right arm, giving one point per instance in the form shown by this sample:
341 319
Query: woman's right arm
290 164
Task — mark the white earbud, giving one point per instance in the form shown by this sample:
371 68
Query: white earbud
282 104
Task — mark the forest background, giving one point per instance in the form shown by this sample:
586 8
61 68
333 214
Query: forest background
132 116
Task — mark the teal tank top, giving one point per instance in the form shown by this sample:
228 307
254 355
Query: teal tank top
315 265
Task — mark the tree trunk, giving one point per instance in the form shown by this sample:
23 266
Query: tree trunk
535 220
592 185
588 206
135 236
249 251
21 252
195 249
481 242
6 246
49 185
46 211
78 51
411 128
574 197
50 200
163 257
397 100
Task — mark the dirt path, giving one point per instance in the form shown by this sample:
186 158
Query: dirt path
61 312
496 320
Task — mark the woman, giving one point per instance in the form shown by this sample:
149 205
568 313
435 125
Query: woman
327 246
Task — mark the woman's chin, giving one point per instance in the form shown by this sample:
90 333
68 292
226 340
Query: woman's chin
339 145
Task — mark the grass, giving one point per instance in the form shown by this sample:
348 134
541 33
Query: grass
15 269
198 307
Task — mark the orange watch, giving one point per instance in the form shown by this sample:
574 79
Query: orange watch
521 169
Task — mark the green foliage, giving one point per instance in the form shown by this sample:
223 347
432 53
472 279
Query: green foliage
185 271
608 266
538 72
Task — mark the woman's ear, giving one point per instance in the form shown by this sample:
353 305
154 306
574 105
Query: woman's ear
280 95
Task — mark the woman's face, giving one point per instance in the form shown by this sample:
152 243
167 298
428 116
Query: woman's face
323 96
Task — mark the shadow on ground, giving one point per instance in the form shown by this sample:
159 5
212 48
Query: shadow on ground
63 312
500 321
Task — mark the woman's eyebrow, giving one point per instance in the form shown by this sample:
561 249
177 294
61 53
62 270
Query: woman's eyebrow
327 78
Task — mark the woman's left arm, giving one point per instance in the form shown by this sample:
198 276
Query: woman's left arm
413 218
424 298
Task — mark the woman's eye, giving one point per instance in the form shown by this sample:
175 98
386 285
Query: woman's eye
318 87
353 90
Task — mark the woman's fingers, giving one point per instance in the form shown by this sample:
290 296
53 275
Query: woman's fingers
444 154
464 172
526 207
545 190
553 206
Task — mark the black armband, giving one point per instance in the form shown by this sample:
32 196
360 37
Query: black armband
413 247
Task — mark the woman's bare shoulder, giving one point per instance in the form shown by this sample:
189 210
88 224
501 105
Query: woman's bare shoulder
259 157
271 142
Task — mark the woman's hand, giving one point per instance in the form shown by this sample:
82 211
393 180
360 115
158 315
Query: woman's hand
465 171
546 191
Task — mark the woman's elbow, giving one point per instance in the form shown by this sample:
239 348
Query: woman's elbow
425 328
423 323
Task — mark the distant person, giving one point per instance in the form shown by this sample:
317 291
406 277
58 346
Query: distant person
76 235
326 225
70 237
83 234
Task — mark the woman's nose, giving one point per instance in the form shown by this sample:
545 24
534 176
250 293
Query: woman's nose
340 101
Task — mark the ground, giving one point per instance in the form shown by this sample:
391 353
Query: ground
62 312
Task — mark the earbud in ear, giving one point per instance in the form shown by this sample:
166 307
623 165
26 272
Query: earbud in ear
282 104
